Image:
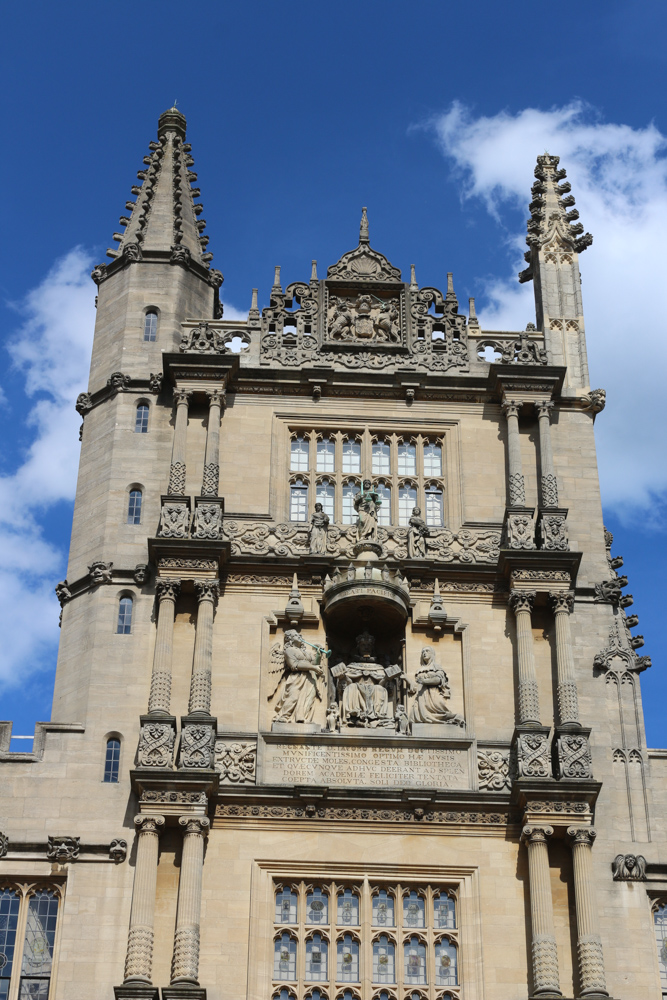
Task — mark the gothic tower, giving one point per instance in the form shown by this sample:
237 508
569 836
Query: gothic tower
347 703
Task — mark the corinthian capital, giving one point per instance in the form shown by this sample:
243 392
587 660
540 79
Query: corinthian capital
536 834
544 407
182 396
511 407
195 825
207 590
217 396
581 835
167 590
561 601
149 824
522 600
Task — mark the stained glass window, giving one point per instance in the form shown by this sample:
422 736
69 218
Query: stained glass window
317 907
415 962
286 907
347 960
413 910
445 911
383 909
384 964
285 958
40 935
348 908
316 958
9 914
445 963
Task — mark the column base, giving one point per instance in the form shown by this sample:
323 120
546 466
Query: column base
183 991
136 991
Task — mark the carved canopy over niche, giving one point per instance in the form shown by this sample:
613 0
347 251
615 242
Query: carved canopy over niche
362 315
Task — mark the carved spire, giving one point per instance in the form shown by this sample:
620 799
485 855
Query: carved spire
472 318
277 287
414 287
164 216
363 227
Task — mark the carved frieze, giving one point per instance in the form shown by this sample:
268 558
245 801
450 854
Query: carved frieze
179 797
355 814
236 760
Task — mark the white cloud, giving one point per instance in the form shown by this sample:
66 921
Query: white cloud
619 178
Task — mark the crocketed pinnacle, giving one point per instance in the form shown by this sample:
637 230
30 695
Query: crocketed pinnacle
553 221
164 216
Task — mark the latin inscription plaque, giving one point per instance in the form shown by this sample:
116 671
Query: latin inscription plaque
373 766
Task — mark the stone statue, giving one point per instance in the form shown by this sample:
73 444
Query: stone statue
300 669
430 705
402 722
341 323
417 535
367 503
365 687
333 718
319 525
386 325
629 868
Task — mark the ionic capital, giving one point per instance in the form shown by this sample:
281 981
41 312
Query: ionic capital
581 835
561 601
522 600
536 834
195 825
207 590
149 824
167 590
511 407
544 407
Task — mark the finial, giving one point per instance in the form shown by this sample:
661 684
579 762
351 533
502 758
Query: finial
276 280
450 285
414 287
472 318
294 609
253 314
253 304
313 271
363 228
436 588
171 120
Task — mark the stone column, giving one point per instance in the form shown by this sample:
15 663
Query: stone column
200 684
210 484
139 960
562 603
548 484
529 703
545 954
185 961
516 487
178 453
159 702
589 944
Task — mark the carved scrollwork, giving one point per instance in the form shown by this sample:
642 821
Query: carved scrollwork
236 760
156 745
532 755
493 769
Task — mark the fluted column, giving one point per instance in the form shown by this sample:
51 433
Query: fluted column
185 961
589 944
178 453
515 486
529 702
211 480
200 684
159 702
568 703
139 960
545 954
548 484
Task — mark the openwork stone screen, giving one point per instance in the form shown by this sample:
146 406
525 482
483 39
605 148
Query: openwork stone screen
335 941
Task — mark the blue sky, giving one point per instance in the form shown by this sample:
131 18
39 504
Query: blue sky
429 113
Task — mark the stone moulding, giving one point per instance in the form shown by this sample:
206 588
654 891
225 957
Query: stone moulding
420 815
64 850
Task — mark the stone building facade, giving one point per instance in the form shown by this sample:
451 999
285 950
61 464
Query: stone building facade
347 704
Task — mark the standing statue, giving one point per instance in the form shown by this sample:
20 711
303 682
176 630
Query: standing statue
299 669
319 525
430 705
367 503
386 325
417 535
341 321
366 685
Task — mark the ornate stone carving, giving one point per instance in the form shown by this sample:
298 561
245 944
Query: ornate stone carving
165 796
211 480
180 254
197 742
524 351
63 593
207 590
176 485
493 770
549 491
156 745
522 600
118 381
430 704
556 806
296 669
132 252
63 849
100 572
118 850
532 755
367 504
99 273
207 520
176 562
561 600
582 835
84 403
236 760
629 868
155 382
141 574
355 814
215 278
319 526
594 401
553 532
619 655
519 531
517 488
364 317
366 691
174 519
417 535
546 575
203 339
574 756
4 844
609 592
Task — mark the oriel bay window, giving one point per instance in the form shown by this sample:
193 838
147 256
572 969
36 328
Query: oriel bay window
328 467
28 926
364 942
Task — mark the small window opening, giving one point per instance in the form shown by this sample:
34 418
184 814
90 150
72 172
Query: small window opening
141 422
124 626
112 761
150 325
134 507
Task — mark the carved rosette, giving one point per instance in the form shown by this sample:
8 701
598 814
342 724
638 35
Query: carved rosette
174 518
532 755
156 745
574 756
197 745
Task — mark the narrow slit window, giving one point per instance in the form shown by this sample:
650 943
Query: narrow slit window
112 761
141 422
124 626
134 507
150 325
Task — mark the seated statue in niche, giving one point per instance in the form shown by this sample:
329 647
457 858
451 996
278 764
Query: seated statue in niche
367 504
299 667
430 705
319 525
417 535
365 687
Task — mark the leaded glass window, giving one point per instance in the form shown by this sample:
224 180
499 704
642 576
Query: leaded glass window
407 459
299 455
326 455
141 421
134 507
348 908
150 325
40 935
112 761
286 906
444 911
414 958
384 513
407 499
10 904
285 958
124 626
445 963
351 456
384 963
347 960
317 907
325 493
381 458
383 909
432 459
660 925
350 490
316 959
413 910
298 510
434 506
